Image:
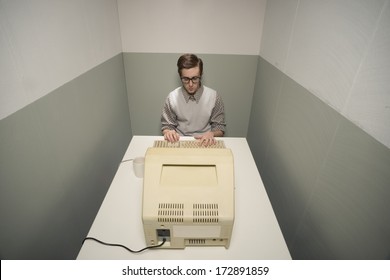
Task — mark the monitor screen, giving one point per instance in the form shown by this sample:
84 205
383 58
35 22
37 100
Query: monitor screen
188 175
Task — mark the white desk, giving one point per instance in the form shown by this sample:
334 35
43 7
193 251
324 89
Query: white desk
256 233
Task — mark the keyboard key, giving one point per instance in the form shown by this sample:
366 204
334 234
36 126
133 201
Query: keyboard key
220 144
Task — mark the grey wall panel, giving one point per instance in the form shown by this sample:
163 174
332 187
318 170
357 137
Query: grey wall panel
58 156
302 131
267 91
350 205
150 77
311 160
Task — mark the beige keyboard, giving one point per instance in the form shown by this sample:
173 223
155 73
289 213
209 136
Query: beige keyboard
187 144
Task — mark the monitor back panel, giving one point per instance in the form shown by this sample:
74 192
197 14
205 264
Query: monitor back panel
188 196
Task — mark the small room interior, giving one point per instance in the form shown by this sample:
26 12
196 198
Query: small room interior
305 82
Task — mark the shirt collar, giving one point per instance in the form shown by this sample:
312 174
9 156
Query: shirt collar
193 97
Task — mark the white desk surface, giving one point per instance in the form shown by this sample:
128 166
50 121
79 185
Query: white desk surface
256 232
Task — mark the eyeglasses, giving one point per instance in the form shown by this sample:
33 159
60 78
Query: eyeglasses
194 80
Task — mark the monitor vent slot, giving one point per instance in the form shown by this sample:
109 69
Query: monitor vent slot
196 242
170 212
205 213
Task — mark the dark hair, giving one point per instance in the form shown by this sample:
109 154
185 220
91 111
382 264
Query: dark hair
187 61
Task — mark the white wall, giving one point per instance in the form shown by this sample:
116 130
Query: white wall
202 26
45 44
339 51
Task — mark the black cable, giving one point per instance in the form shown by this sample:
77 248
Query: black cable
128 249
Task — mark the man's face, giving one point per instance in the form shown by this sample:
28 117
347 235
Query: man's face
191 86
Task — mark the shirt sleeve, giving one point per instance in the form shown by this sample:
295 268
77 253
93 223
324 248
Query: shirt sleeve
217 119
168 117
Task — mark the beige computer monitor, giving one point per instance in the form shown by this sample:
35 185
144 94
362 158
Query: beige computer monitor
188 197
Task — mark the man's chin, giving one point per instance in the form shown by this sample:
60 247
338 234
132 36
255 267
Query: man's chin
190 91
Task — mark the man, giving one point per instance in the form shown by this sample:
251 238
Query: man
193 109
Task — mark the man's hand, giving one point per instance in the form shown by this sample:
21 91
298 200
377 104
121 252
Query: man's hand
171 135
206 139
